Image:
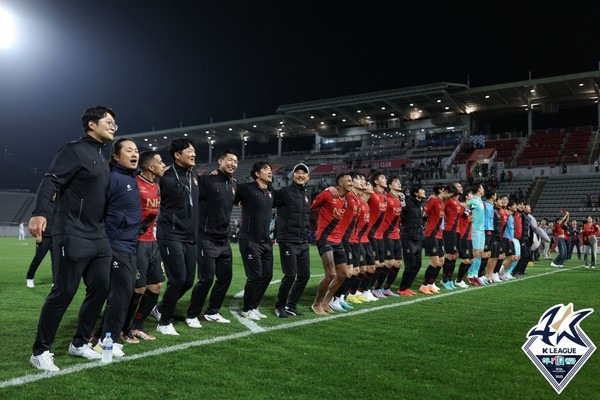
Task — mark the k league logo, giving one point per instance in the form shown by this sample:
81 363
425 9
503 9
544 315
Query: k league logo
557 345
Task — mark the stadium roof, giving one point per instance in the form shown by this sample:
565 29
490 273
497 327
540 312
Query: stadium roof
436 100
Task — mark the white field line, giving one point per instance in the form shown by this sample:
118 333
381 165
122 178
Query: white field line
21 380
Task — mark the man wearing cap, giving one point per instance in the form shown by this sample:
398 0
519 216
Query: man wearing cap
292 224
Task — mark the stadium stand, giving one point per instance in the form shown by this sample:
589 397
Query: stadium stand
569 193
16 207
543 147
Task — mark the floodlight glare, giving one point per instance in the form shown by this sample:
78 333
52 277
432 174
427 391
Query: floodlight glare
7 29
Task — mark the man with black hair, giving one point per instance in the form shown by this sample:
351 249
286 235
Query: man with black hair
292 226
377 225
177 232
79 174
410 236
391 237
256 249
149 272
216 197
451 237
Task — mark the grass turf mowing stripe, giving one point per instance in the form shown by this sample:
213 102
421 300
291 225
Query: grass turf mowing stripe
95 364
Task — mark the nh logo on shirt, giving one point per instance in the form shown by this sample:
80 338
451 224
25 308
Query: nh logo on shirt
557 345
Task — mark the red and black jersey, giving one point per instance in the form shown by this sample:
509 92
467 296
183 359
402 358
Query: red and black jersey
392 217
364 217
465 224
435 213
150 200
377 206
349 218
331 210
354 238
452 210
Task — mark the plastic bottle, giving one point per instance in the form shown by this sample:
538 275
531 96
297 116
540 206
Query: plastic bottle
107 349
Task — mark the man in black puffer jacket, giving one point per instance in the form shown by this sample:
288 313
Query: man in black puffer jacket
293 211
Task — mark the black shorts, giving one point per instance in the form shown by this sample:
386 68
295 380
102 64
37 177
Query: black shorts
369 254
450 242
378 246
465 249
339 255
488 242
149 270
496 247
393 249
433 247
350 255
359 255
509 247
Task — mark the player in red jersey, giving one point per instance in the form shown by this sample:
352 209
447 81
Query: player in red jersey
588 232
465 247
149 272
452 212
432 243
377 225
391 238
329 241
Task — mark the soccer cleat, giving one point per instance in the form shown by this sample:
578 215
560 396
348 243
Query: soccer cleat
167 330
379 293
352 299
425 289
413 292
462 285
193 323
155 313
129 337
345 305
483 280
216 318
452 285
496 278
335 306
30 283
44 361
388 293
369 296
142 334
433 288
291 310
363 299
405 292
84 351
446 285
259 314
250 315
474 281
280 312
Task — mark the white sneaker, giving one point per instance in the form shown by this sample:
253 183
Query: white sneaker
260 315
434 288
461 284
44 361
85 351
117 349
216 318
369 296
30 283
496 278
155 313
555 265
193 323
167 330
250 315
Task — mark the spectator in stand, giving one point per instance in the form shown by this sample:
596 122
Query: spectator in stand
596 166
564 168
588 200
502 176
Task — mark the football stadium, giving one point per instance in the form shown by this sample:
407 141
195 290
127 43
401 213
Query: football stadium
535 141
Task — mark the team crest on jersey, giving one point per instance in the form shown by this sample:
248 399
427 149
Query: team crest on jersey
306 199
557 345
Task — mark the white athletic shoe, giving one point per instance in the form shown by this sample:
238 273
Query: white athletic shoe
216 318
167 330
193 323
155 313
85 351
369 296
260 315
461 284
433 288
250 315
30 283
44 361
117 349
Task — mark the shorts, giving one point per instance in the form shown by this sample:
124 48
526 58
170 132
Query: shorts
517 246
378 246
149 271
350 255
509 247
393 249
369 253
339 255
450 242
433 247
478 239
496 247
488 242
359 254
465 250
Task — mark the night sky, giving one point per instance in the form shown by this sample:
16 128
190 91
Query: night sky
160 64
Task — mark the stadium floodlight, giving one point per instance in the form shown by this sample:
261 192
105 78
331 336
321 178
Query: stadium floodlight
7 29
